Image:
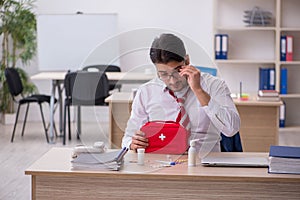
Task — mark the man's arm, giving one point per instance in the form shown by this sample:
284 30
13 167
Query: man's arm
215 99
221 108
133 138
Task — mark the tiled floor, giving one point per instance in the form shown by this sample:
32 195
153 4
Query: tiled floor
17 156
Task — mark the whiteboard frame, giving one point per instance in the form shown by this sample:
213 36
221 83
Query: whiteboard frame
69 41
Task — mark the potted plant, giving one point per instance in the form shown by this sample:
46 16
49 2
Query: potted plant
18 34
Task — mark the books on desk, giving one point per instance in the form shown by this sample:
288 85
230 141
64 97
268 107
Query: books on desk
108 160
268 95
284 159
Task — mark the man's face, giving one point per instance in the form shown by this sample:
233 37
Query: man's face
169 74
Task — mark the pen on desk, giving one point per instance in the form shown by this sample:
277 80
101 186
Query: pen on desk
166 162
122 153
179 161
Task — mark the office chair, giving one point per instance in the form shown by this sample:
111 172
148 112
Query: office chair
231 144
106 68
83 88
16 88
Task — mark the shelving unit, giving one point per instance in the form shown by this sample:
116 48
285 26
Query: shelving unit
250 48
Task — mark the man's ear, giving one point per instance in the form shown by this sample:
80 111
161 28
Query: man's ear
187 59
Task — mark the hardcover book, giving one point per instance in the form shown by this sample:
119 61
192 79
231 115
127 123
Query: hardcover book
284 159
268 93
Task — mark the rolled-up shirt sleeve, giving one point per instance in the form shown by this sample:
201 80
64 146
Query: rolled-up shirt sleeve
138 117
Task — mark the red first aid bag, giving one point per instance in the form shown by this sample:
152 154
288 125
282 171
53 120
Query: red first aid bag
166 137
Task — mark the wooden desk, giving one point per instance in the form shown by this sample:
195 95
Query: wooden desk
53 178
58 80
259 121
259 124
119 113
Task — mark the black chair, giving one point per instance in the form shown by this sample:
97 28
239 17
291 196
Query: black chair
16 88
83 88
231 144
106 68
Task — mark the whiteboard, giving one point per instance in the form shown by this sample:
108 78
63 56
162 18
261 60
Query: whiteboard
71 41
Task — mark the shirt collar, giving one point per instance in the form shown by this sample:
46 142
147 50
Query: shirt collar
178 94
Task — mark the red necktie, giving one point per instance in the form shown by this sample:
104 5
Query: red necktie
183 117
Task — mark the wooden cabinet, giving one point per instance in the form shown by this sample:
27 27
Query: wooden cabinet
119 112
289 24
252 47
259 124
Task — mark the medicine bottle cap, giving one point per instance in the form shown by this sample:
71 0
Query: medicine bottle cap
141 150
193 142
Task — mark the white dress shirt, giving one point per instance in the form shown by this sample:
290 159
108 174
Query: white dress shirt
154 102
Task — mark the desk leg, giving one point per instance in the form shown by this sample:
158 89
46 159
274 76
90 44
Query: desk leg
78 122
51 133
60 90
33 187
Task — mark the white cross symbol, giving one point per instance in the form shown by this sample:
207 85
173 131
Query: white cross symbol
162 136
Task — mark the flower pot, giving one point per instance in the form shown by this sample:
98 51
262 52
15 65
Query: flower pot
8 118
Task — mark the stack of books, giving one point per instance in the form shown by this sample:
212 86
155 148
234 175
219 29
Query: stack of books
93 160
268 95
284 159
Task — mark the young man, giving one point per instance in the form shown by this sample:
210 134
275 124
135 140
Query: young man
207 102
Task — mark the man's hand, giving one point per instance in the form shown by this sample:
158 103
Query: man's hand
193 76
139 141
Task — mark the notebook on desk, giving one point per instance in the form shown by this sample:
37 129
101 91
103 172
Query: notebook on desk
234 161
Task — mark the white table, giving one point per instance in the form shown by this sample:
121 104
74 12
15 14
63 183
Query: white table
58 77
57 83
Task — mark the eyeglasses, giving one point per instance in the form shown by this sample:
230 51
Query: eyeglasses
164 76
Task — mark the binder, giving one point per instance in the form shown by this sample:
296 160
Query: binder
218 43
264 78
271 79
289 48
282 115
224 46
283 80
283 48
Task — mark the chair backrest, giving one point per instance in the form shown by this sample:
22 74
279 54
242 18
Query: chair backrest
212 71
14 82
86 88
231 144
104 68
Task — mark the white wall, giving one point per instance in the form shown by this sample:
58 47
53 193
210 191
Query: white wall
192 18
139 21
